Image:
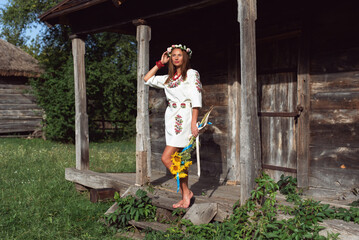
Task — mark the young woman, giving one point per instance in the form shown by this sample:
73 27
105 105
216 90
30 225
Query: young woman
183 91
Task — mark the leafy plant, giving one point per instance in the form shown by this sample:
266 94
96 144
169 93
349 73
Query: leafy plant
132 208
257 219
288 186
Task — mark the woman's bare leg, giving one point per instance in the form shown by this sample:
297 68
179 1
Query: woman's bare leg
186 193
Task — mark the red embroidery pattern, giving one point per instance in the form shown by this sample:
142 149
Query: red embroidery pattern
175 83
198 83
178 124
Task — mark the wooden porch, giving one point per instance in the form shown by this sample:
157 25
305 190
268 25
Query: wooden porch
205 189
299 59
216 195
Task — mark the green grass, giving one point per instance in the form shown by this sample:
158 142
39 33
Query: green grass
36 200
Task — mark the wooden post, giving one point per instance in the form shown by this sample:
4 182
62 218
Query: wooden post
143 147
303 79
81 121
250 149
234 104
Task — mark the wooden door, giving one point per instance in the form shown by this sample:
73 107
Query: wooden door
277 60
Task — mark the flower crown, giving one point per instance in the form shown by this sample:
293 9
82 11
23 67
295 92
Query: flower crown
180 46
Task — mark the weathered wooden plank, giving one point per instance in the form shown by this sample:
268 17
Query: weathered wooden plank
16 99
22 121
153 225
141 168
93 179
201 213
342 135
218 86
303 96
9 118
233 119
9 85
14 91
335 100
20 113
156 162
347 230
340 179
20 126
334 116
278 94
335 82
250 149
338 157
31 106
216 99
143 145
81 119
18 129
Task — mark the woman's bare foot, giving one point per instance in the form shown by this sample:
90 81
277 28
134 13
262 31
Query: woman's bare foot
177 205
187 199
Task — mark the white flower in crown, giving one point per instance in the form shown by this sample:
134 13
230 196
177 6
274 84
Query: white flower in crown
184 48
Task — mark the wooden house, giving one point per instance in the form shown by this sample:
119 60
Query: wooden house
283 77
19 114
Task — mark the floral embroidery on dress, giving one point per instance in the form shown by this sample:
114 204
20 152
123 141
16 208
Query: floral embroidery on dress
178 124
175 83
198 83
183 105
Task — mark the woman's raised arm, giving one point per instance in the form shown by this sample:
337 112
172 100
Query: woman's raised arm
152 72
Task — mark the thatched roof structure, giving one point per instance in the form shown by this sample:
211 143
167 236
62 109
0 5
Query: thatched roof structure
16 62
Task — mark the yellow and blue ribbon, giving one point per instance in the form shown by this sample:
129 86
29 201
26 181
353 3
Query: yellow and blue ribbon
178 182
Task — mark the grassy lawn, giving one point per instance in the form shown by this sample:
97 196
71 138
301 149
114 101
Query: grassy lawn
36 200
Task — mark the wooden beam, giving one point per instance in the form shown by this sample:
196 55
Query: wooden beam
94 180
170 12
303 83
143 147
69 9
250 149
81 120
234 105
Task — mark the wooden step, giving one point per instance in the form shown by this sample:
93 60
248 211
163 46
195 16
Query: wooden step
160 199
153 225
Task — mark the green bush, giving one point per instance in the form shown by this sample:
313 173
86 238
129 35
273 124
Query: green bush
110 84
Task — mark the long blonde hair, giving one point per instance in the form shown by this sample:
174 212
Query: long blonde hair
184 67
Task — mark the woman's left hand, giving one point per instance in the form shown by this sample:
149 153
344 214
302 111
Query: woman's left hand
194 130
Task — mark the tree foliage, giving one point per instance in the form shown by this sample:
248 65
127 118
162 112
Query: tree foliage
110 73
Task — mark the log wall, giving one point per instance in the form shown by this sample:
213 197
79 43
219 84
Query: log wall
210 59
334 90
18 110
330 43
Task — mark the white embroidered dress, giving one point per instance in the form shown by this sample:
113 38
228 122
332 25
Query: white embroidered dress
182 96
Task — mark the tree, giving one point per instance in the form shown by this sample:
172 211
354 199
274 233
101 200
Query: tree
110 74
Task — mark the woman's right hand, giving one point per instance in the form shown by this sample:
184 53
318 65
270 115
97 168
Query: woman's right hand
165 58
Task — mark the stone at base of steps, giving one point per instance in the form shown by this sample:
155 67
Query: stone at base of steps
153 225
201 213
